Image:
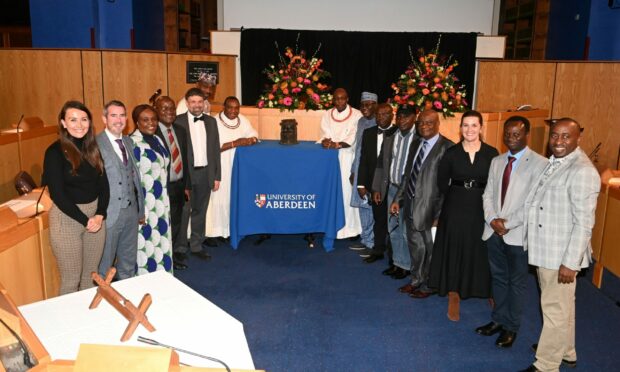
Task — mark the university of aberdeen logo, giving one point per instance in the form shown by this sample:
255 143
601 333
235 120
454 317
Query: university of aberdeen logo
260 200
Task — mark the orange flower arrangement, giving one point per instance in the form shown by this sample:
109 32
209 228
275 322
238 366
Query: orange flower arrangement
429 83
296 84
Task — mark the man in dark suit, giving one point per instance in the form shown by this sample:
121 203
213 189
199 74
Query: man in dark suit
420 198
386 182
126 206
372 140
179 182
203 164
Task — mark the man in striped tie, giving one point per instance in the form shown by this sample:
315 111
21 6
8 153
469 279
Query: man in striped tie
421 199
175 138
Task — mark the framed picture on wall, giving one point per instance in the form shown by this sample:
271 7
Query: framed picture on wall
193 70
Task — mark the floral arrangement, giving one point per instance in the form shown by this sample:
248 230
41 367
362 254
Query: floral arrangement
429 83
296 84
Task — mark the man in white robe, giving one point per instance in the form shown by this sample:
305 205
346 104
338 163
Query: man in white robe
338 129
207 83
235 130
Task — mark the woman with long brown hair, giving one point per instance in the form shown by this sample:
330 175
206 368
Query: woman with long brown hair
460 267
74 173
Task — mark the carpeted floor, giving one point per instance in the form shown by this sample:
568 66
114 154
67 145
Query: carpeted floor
307 310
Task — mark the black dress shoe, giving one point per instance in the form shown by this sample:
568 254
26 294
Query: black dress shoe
179 256
400 274
506 338
489 329
373 258
202 255
531 368
179 266
390 270
566 363
210 242
420 294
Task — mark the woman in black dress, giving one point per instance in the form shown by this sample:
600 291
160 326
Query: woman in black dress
459 267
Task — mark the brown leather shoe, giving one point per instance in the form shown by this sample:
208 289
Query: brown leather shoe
420 294
408 288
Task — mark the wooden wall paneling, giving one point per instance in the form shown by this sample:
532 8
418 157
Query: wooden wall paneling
9 167
588 92
93 86
33 151
132 77
506 85
177 75
37 83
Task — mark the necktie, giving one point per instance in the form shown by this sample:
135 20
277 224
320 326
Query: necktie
123 150
177 166
201 117
380 132
506 177
416 169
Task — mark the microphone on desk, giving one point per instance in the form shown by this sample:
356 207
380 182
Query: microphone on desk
36 206
150 341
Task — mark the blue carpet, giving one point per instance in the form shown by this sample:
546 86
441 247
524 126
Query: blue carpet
307 310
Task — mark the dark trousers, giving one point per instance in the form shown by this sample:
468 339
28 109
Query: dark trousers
508 264
420 245
179 216
380 228
199 200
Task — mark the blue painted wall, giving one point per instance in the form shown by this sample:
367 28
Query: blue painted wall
115 24
68 23
566 37
148 23
604 32
61 23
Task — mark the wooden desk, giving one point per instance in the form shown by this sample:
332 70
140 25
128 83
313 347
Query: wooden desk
27 265
605 238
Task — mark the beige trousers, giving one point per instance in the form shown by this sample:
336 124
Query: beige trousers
77 251
557 339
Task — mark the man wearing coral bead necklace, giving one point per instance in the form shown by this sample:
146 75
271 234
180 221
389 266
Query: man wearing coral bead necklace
338 129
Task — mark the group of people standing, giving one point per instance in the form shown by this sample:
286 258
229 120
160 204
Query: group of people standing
127 201
494 213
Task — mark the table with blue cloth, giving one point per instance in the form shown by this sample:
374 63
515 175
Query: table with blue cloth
286 189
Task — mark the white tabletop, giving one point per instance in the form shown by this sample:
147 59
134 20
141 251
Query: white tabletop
182 318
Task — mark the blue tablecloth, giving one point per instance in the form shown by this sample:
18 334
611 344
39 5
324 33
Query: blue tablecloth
278 189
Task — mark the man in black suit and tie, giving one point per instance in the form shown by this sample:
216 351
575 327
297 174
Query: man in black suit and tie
203 164
372 140
420 198
179 182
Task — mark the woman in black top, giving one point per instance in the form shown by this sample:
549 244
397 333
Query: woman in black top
74 173
460 267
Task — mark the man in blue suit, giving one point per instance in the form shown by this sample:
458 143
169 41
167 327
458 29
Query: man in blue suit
126 206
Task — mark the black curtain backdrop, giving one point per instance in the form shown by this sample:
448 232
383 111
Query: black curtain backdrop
357 61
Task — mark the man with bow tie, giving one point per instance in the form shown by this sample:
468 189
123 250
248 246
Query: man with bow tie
371 144
203 158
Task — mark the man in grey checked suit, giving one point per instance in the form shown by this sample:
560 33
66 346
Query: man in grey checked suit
559 216
421 199
126 206
510 178
203 164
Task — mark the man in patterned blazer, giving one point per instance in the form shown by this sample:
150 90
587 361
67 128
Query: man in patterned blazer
510 178
559 216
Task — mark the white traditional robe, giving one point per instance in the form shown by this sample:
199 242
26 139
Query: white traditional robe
344 131
218 212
